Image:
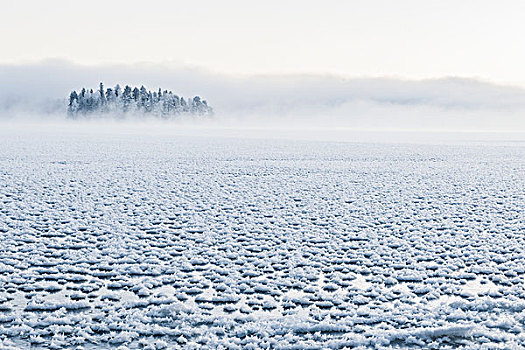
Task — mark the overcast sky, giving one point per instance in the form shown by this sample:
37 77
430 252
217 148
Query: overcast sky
406 38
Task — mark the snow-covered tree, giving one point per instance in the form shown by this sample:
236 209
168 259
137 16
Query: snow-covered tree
102 96
116 101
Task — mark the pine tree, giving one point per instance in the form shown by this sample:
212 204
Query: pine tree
136 94
102 96
118 90
72 97
127 99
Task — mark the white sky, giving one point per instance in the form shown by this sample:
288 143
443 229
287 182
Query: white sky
404 38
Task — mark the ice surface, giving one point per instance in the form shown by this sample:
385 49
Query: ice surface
159 241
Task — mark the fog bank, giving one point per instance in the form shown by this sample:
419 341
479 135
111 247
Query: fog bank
39 90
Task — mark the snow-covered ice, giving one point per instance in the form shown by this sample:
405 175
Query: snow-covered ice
140 241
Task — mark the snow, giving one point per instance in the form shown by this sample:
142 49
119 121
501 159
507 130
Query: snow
158 241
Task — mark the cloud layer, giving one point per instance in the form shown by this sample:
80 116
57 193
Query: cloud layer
288 101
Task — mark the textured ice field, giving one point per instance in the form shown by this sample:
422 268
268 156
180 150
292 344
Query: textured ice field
201 243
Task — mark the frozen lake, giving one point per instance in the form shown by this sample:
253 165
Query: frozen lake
158 241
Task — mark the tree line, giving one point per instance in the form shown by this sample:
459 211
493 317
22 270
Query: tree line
134 101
